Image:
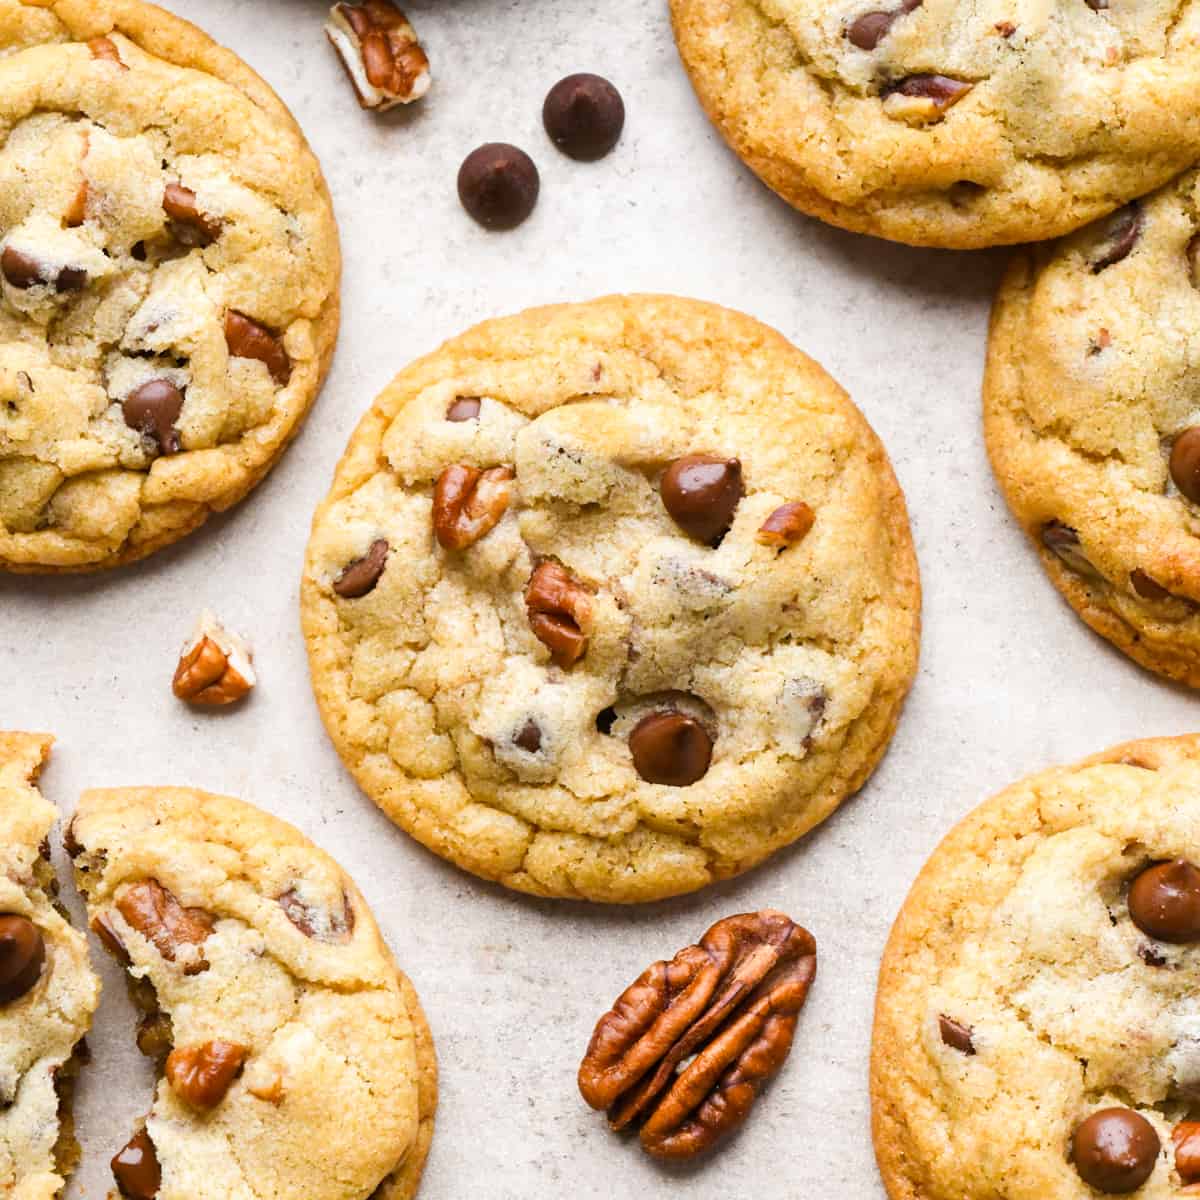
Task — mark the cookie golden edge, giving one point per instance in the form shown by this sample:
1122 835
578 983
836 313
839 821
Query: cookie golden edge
927 907
1001 385
405 1179
175 40
1014 222
328 667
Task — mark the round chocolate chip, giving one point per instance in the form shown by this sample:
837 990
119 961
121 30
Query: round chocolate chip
670 748
498 185
870 29
136 1169
20 269
1185 463
701 492
1164 902
361 576
22 954
1115 1150
464 408
152 410
584 115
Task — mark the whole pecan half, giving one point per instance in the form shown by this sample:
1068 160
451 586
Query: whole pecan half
730 1005
159 917
468 503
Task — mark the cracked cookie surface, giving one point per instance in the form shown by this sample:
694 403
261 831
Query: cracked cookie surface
1089 397
1019 995
548 631
168 281
950 123
300 1061
48 991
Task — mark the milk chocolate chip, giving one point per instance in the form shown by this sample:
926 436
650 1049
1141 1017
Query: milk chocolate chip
464 408
1185 463
152 410
248 339
498 185
189 225
20 269
1119 236
1115 1150
957 1036
136 1169
361 576
22 955
584 115
701 492
1164 902
670 748
872 27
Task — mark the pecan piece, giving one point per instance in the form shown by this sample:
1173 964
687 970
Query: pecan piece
248 339
924 98
381 53
201 1075
105 50
188 224
560 609
732 1002
787 525
468 503
318 922
215 666
159 917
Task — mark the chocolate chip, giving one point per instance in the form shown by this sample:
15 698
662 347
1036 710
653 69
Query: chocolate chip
1115 1150
20 269
701 492
1097 5
1062 540
529 737
606 718
246 338
104 929
956 1036
152 410
584 115
1185 463
1164 902
498 185
464 408
670 748
360 577
941 89
136 1169
71 279
1150 956
1119 235
872 27
22 955
1147 588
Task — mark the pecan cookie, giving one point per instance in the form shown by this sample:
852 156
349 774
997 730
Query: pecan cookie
1093 424
946 124
611 600
1037 1028
280 1023
48 990
168 281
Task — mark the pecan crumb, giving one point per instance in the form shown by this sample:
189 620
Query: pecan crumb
215 666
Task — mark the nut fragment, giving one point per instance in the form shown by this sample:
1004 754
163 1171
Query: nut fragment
246 338
189 225
215 666
159 917
560 610
1186 1136
105 50
732 1002
136 1169
787 525
468 503
104 929
201 1075
381 53
318 922
923 98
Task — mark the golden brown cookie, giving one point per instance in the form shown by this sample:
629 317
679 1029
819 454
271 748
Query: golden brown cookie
611 600
950 124
169 276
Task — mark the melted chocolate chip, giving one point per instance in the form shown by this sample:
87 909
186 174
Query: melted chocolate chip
670 748
20 269
1147 588
941 89
498 185
22 955
152 410
529 737
606 718
1115 1150
1185 463
956 1036
1119 235
872 27
136 1169
584 115
360 577
464 408
701 492
1164 902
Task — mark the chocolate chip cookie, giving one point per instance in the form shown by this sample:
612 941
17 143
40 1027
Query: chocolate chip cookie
611 600
1092 422
48 990
946 124
1037 1028
168 281
293 1056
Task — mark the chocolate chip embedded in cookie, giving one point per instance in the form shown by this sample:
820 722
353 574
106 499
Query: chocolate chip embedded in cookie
168 284
939 126
1093 431
1053 921
586 574
275 1013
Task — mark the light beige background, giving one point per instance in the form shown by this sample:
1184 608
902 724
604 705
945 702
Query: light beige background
1010 680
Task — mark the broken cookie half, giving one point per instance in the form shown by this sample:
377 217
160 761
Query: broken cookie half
294 1058
48 991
